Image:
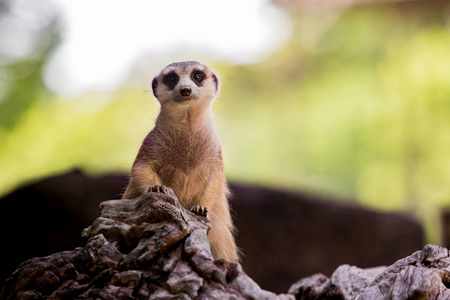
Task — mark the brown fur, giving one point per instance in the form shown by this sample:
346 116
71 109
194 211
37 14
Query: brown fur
183 152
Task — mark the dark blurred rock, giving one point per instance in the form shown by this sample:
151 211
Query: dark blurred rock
51 214
445 217
146 247
313 234
423 275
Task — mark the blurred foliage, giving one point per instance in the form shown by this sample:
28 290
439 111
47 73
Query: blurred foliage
355 106
361 107
29 33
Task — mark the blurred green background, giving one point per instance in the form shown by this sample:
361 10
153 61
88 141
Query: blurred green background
354 105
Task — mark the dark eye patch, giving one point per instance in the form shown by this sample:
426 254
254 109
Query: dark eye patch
198 76
171 80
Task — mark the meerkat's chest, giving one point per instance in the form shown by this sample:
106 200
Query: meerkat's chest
186 167
185 155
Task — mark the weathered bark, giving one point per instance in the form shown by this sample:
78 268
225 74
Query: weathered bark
152 248
50 214
146 247
423 275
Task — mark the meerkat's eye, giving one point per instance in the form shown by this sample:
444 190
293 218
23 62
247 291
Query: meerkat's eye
171 79
198 76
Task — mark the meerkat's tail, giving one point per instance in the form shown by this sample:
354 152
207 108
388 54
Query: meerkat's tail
221 234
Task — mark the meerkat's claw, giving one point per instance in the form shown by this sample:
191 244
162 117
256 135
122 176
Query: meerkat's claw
200 210
158 189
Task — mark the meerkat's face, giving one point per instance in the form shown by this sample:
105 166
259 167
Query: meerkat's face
185 83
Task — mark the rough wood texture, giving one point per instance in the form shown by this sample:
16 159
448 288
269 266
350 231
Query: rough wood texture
152 248
299 225
423 275
148 247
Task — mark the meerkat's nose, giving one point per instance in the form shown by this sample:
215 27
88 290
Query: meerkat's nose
185 91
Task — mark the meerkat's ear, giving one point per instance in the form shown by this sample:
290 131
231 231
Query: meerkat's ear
155 86
216 81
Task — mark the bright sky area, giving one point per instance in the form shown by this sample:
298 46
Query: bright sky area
102 40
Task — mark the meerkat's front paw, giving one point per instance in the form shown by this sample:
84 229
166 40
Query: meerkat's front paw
200 210
158 189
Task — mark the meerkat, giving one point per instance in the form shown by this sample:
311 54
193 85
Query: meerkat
183 152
